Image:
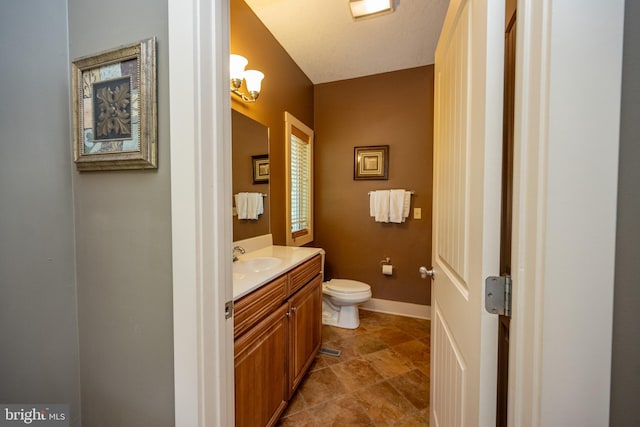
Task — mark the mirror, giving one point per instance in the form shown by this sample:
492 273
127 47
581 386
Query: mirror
250 172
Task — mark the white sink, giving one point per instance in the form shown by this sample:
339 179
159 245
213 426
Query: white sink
256 265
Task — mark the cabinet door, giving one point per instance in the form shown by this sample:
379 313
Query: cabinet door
261 387
306 330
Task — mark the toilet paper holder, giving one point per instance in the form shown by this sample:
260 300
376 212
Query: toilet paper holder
387 268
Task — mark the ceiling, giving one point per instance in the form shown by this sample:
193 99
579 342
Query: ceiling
328 45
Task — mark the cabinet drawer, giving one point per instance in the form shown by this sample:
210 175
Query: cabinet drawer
251 308
301 275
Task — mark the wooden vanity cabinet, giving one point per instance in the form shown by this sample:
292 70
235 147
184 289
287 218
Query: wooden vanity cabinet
278 331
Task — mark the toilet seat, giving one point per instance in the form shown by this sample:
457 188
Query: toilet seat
347 286
347 290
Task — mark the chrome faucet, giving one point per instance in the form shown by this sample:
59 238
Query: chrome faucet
237 249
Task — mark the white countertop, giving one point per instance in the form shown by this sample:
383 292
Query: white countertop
291 256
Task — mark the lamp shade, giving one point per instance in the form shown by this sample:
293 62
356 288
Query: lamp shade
253 79
236 66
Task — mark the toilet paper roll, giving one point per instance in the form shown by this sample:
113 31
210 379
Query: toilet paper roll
387 269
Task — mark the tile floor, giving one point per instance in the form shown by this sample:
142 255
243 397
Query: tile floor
380 379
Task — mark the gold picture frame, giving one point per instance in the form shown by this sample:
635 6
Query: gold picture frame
371 162
115 109
260 165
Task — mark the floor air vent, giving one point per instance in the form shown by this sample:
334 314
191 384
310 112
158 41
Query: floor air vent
330 351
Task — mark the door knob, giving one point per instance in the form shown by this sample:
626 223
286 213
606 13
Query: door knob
424 272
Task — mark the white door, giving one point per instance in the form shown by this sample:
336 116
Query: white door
466 208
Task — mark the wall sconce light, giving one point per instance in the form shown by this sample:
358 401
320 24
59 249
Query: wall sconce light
367 8
253 78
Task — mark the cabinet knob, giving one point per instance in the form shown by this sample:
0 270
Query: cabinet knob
294 309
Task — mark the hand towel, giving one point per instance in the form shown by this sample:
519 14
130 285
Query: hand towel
407 205
396 205
254 205
241 205
379 205
372 203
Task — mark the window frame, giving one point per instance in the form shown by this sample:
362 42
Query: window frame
295 127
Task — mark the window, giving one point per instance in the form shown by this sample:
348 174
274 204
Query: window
299 158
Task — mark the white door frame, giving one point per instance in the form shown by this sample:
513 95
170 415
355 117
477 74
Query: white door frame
567 115
200 114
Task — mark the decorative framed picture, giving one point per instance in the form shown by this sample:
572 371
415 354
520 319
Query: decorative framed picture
371 162
114 109
260 168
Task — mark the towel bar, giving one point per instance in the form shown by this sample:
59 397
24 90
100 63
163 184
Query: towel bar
410 191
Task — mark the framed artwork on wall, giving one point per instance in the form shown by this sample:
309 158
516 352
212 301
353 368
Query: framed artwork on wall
260 168
371 162
114 108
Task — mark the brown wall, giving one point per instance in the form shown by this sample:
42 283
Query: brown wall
284 88
394 109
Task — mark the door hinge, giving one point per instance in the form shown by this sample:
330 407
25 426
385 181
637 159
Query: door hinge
498 295
228 309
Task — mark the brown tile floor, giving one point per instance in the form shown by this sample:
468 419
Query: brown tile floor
380 379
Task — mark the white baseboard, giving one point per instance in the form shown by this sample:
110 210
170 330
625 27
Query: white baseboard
399 308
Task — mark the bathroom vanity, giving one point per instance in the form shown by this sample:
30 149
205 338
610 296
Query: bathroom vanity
277 328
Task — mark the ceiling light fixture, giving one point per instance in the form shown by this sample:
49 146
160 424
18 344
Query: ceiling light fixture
368 8
253 78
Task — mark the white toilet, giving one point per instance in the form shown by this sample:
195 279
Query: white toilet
340 299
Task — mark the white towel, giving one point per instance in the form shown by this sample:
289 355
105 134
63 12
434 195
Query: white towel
249 205
379 205
372 203
241 205
407 205
396 206
254 205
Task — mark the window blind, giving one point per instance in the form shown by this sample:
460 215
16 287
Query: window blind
300 183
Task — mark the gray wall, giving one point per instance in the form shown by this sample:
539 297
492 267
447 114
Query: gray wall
123 246
38 329
625 373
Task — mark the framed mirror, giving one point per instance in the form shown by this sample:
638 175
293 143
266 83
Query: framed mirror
250 172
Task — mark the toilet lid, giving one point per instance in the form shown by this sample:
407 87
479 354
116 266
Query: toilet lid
345 285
